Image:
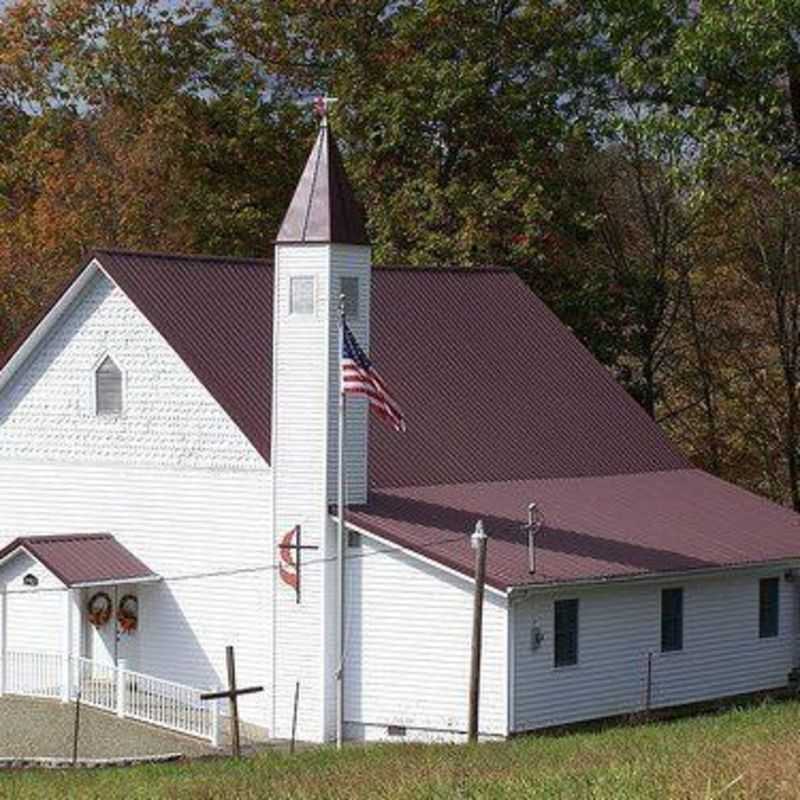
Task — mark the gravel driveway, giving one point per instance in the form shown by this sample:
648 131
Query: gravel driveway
43 728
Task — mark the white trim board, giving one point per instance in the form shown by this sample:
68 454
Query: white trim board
39 333
419 557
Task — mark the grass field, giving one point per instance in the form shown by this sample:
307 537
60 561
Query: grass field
742 753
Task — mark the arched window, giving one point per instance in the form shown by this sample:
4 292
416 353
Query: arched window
108 389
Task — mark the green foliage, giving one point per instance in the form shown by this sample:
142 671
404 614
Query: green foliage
608 151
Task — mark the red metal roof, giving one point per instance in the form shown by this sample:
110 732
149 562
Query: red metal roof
504 407
595 527
493 386
82 558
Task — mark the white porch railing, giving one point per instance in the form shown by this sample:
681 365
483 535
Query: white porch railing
115 689
171 705
97 683
33 674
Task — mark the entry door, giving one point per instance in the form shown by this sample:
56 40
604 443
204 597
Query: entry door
128 647
107 643
98 642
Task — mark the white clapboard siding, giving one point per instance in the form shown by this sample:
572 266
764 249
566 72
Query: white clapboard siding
407 641
299 430
36 616
619 625
304 430
48 410
181 523
173 478
354 262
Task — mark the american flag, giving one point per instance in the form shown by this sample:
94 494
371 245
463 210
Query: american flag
360 378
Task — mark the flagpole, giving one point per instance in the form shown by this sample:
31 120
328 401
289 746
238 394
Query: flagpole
340 542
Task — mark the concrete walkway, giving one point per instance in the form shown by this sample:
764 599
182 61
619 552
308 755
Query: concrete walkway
32 728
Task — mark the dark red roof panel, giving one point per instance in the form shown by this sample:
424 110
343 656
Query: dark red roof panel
495 387
595 527
82 558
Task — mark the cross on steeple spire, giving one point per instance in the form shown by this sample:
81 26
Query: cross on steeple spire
322 105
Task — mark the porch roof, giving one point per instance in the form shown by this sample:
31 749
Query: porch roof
82 559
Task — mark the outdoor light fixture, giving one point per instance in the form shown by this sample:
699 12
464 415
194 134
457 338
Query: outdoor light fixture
537 636
30 580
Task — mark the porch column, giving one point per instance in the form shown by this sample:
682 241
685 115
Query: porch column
3 640
66 679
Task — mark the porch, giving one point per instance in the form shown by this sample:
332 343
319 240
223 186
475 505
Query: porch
69 630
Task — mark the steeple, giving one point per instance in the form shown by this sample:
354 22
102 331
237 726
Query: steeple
322 255
324 208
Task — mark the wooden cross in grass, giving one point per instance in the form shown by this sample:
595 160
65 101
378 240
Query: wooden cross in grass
232 693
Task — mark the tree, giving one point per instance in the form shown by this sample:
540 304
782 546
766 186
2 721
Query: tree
448 111
127 126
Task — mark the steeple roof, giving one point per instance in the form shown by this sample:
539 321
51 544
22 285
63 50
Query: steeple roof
324 208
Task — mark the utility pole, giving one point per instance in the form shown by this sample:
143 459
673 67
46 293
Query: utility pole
479 541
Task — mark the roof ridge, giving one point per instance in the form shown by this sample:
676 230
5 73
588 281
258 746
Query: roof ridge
62 537
459 268
466 269
314 178
122 251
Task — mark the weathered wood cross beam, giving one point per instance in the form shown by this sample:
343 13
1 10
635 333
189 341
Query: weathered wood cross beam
232 693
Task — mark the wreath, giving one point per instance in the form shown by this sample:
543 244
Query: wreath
128 613
99 608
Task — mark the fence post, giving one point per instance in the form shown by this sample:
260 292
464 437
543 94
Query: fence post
3 641
66 651
66 693
122 667
215 720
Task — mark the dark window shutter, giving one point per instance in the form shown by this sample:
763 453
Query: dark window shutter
108 388
768 607
348 286
565 625
671 620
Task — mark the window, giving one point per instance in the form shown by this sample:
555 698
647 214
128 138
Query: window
671 620
301 294
768 595
353 539
348 286
566 632
108 389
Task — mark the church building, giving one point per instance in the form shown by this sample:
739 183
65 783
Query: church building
168 486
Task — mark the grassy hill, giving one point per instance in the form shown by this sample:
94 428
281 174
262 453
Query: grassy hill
742 753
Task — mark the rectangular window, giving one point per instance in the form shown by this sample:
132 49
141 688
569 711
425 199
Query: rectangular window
348 286
353 539
768 604
301 294
566 632
671 620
